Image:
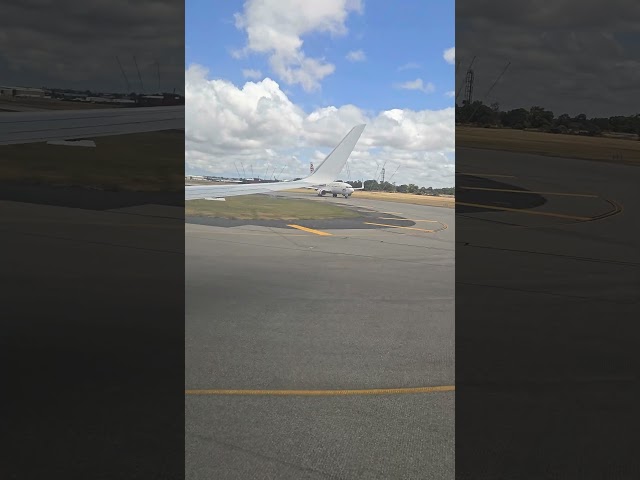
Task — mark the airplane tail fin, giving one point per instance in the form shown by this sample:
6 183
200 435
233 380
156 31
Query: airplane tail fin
331 167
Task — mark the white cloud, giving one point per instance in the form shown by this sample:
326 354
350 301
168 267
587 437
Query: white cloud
258 125
450 93
276 27
408 66
450 55
417 84
254 74
356 56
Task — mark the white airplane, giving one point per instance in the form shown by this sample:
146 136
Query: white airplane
66 125
337 188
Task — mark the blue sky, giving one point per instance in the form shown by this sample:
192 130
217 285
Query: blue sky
400 85
391 34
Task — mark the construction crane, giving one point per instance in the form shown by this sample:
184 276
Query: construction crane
126 80
464 83
486 95
139 76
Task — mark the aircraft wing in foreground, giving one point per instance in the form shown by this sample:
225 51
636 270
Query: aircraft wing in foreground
323 174
60 125
63 125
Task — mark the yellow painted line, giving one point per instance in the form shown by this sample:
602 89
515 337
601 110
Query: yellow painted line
527 212
527 191
323 393
310 230
397 226
486 175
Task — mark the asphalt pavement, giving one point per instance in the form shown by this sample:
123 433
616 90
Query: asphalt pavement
291 334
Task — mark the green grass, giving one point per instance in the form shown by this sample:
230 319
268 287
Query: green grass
258 207
137 162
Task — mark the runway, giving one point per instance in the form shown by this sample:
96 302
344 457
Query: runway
549 273
322 352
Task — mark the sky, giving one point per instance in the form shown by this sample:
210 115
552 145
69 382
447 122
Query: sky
74 44
274 84
567 56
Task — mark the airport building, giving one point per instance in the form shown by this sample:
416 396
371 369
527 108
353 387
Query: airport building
22 92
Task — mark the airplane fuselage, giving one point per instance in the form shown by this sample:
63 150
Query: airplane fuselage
336 188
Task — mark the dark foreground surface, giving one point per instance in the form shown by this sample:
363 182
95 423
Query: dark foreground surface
546 328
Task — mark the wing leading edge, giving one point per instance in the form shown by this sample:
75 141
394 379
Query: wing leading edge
325 173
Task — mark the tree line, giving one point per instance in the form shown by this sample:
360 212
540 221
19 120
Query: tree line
539 118
374 185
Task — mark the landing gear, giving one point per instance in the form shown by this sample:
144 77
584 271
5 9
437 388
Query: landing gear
335 195
321 193
346 196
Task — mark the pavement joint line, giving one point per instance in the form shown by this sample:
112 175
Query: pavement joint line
310 230
323 393
527 212
398 226
529 191
95 224
408 219
486 175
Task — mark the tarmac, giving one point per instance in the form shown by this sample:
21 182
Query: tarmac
548 273
318 351
91 304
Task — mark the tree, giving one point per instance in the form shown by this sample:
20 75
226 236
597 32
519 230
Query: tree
517 118
371 185
540 118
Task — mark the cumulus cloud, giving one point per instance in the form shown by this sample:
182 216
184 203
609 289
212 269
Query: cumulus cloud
567 59
450 55
356 56
276 27
417 84
253 74
450 93
257 125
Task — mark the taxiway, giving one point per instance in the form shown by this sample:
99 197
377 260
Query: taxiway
291 333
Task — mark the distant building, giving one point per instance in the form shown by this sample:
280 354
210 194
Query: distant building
160 100
22 92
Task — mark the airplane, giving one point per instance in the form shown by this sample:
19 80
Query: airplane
60 126
337 188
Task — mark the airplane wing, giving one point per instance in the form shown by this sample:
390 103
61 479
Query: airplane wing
325 173
34 127
194 192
